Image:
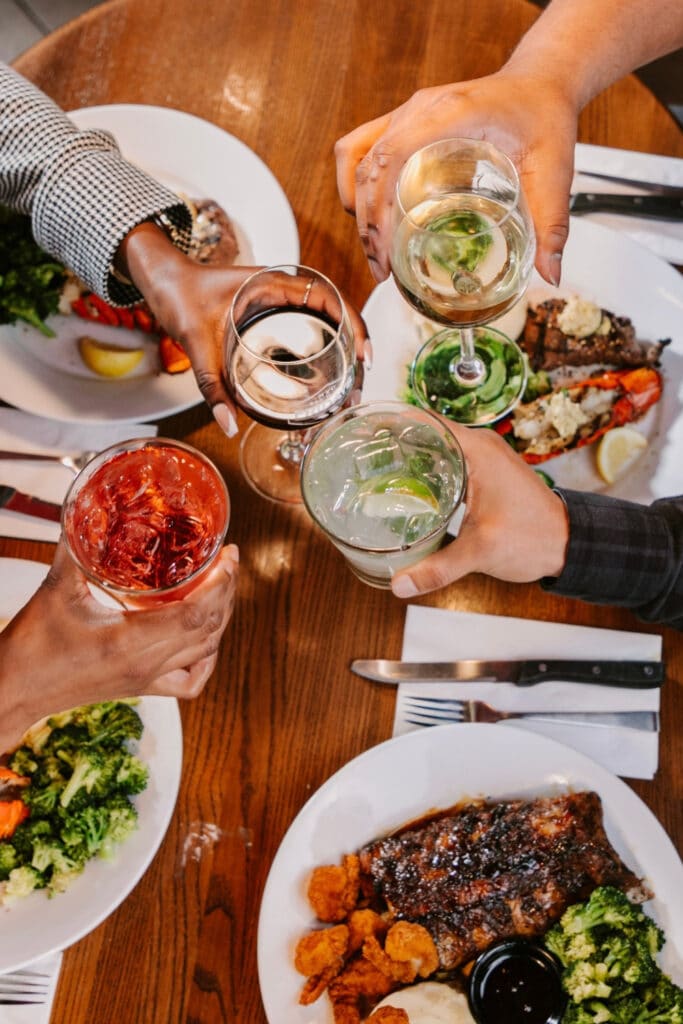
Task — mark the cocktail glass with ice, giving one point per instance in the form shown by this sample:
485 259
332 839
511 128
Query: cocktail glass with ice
383 480
146 519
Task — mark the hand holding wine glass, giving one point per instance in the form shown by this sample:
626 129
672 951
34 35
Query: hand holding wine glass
290 362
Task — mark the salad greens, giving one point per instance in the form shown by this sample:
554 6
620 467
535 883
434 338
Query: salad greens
607 947
30 280
82 776
464 240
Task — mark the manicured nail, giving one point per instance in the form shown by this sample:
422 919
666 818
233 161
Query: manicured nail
367 354
555 267
403 586
225 419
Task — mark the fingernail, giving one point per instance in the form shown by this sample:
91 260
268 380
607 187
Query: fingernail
225 419
403 586
555 267
367 354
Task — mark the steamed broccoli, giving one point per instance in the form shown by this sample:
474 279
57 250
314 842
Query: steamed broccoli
608 947
82 777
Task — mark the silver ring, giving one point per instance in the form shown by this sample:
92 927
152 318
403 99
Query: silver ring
308 291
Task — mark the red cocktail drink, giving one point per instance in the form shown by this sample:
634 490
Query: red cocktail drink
146 518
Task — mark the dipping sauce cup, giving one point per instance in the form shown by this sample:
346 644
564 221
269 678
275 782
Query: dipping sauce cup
145 519
518 982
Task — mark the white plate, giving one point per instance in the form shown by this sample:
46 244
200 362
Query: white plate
192 156
618 274
36 926
405 778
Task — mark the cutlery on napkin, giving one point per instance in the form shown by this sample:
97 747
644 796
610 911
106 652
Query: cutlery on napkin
21 431
436 633
39 1012
601 169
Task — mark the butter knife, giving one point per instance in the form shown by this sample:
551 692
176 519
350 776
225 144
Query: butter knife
662 207
17 501
634 674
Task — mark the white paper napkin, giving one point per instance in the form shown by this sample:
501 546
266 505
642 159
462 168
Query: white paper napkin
36 1013
435 634
664 237
21 431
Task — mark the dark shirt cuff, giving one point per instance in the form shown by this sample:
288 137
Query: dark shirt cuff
624 554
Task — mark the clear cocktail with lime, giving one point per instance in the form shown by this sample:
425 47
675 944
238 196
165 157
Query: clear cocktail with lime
383 481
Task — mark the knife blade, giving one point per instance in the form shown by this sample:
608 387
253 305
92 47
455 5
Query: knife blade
655 187
633 674
27 504
661 207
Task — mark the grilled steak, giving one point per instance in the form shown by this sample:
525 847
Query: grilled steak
213 236
551 340
488 871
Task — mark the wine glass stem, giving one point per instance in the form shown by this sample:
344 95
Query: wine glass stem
291 449
469 370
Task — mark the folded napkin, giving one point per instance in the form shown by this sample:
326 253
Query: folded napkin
664 237
21 431
435 634
36 1013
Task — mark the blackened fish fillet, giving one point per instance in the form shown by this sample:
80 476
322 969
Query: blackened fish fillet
488 871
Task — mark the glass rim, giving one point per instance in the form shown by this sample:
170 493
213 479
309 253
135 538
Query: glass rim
99 460
397 407
510 206
286 268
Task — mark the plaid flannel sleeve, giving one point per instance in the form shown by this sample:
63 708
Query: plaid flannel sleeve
625 554
82 196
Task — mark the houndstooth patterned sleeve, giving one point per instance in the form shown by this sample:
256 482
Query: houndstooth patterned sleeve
82 196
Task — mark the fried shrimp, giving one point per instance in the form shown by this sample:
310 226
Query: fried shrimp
362 924
333 889
408 942
357 988
320 956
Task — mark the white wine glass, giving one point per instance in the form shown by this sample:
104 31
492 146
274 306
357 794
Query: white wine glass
462 253
290 363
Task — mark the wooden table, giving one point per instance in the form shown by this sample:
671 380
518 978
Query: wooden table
283 711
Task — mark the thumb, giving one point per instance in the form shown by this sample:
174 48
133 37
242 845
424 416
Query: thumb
547 186
451 563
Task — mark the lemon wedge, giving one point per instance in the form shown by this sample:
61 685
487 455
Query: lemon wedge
617 451
108 360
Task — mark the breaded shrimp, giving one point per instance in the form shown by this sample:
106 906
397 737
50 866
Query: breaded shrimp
333 889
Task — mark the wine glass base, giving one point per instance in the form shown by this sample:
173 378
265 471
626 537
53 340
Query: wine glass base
266 469
436 387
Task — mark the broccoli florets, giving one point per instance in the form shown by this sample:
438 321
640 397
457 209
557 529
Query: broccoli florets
20 883
132 775
606 906
88 767
8 860
586 980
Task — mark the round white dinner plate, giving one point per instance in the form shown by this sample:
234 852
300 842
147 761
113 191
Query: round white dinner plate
191 156
618 274
37 926
405 778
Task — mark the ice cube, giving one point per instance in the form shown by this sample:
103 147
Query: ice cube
381 454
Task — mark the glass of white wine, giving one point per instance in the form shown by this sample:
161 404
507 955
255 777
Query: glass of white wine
462 253
290 363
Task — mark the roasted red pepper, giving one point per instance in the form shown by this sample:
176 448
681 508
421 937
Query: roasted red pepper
174 358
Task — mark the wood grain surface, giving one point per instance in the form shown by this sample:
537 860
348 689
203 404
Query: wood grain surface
283 711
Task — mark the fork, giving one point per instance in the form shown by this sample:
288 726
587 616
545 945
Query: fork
437 710
73 462
23 988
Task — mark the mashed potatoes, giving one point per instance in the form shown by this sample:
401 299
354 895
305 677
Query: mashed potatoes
431 1003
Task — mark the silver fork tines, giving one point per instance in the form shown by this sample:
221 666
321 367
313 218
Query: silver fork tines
23 988
438 710
74 462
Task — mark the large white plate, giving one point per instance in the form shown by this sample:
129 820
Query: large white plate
37 926
189 155
618 274
405 778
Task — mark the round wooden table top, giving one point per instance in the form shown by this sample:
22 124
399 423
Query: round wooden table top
283 711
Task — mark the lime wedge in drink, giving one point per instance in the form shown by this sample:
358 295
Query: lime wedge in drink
399 496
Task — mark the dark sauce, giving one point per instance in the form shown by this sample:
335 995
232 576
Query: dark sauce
516 982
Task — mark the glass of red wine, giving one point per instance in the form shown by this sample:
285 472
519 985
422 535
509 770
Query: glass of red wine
290 363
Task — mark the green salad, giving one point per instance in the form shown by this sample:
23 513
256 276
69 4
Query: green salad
30 281
77 776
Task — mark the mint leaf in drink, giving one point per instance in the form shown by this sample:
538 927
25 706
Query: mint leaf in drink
466 240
